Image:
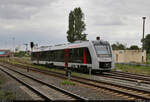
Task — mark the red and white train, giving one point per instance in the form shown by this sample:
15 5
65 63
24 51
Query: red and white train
83 55
5 53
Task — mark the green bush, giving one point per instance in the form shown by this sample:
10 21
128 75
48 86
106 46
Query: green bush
148 58
68 82
21 54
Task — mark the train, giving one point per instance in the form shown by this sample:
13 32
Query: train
5 53
93 55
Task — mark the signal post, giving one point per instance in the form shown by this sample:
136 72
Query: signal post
68 71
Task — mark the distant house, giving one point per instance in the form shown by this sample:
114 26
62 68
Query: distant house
128 56
5 53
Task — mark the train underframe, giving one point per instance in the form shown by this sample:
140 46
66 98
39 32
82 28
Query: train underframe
76 67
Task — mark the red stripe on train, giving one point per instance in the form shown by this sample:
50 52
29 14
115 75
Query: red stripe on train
84 57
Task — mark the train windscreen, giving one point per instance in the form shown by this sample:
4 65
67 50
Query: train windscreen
102 49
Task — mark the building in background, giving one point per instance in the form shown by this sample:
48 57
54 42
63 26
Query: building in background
128 56
5 53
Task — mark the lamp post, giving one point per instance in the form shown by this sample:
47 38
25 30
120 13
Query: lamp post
13 44
143 39
26 47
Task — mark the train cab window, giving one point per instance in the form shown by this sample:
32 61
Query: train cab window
76 55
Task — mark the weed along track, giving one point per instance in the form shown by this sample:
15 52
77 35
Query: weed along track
46 91
129 92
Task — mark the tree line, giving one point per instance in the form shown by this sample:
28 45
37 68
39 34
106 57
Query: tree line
119 46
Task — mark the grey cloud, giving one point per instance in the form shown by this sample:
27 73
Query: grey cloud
44 21
110 12
109 20
33 3
21 9
123 7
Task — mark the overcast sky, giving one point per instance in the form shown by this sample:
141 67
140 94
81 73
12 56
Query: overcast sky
46 21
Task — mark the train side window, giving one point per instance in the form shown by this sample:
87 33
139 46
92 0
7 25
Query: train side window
51 56
48 55
70 55
62 55
74 55
54 55
59 55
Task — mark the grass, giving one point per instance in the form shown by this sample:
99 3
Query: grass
1 81
133 69
148 59
147 63
125 68
68 82
7 95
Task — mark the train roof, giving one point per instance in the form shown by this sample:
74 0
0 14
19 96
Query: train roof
76 44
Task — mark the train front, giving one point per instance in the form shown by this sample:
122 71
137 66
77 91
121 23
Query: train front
104 55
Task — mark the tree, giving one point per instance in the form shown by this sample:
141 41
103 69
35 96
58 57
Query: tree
134 47
147 43
118 46
21 54
76 26
114 46
71 31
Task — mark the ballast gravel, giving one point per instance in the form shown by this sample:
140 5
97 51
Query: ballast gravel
78 88
17 88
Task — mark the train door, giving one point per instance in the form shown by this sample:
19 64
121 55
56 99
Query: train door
66 57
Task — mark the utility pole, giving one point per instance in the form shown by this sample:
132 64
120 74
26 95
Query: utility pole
143 39
26 47
13 44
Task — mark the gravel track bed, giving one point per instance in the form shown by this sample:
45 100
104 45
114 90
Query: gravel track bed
52 93
142 86
17 88
80 89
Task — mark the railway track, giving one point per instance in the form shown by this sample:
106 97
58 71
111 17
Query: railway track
127 76
139 75
48 92
130 92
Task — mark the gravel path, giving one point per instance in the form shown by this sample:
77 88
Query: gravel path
21 92
80 89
